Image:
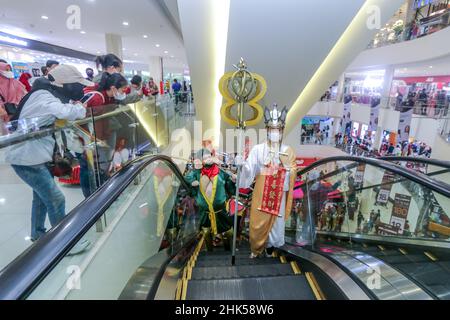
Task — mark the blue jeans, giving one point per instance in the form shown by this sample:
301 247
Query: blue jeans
47 198
85 177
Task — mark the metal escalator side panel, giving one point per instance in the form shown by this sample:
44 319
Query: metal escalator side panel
342 280
386 282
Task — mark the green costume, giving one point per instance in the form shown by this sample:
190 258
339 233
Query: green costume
212 212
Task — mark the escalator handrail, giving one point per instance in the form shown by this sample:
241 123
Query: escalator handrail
19 278
422 179
433 162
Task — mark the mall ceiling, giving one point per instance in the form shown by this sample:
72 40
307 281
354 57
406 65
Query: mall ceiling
151 30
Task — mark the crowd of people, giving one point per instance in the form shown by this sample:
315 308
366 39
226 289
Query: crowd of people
433 103
64 93
313 134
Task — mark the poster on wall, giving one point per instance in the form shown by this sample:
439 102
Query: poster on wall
346 118
400 211
386 186
35 69
404 125
359 175
374 114
19 67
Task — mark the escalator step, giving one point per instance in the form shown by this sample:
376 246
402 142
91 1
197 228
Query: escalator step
223 253
239 262
401 258
267 288
222 257
244 271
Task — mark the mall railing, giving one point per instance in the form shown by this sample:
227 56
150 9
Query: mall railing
349 192
148 225
89 146
408 34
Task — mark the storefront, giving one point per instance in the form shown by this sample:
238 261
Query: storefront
431 15
30 61
364 87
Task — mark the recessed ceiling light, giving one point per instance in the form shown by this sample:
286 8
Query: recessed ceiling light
80 47
166 51
135 54
431 67
83 32
124 49
157 45
125 23
145 36
98 52
44 17
172 56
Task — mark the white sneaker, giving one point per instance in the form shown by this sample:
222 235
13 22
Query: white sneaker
253 256
80 247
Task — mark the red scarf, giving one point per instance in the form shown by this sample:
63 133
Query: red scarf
211 172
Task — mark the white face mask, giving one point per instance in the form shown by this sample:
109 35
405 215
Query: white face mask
7 74
274 136
120 96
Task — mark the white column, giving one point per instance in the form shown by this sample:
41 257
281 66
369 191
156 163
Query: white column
387 84
340 91
155 66
385 93
377 139
114 44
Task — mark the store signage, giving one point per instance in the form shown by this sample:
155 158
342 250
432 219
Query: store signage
386 186
400 211
387 229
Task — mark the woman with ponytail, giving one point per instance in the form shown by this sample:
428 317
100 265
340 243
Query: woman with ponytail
102 98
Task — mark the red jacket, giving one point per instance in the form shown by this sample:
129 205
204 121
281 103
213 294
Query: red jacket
99 104
145 91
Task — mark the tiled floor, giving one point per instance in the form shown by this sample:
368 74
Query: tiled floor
15 212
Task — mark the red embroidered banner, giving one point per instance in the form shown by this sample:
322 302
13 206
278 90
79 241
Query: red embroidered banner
273 190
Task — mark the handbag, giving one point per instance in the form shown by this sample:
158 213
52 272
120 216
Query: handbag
10 108
61 165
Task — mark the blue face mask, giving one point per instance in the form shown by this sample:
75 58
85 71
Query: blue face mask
120 96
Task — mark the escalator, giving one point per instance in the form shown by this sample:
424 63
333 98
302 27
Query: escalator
211 276
138 252
144 247
417 258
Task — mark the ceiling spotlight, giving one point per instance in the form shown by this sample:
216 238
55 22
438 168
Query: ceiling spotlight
172 57
125 23
145 36
98 52
431 67
166 52
157 45
83 32
44 17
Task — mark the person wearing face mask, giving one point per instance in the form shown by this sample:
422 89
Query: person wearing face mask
212 188
56 99
105 96
11 92
272 199
136 90
108 63
90 74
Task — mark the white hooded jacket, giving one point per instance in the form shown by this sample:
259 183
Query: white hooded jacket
41 109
